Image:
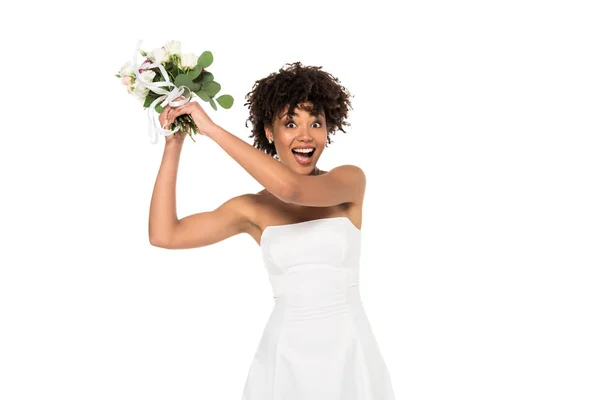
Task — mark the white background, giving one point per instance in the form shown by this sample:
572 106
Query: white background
475 122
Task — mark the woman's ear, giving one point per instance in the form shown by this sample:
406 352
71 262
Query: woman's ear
268 132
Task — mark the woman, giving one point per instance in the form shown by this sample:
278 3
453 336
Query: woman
317 343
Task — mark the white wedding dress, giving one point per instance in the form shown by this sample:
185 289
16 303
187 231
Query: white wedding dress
317 343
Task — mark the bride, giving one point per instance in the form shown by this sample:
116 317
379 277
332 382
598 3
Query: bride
318 343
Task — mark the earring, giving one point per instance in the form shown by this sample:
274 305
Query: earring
270 141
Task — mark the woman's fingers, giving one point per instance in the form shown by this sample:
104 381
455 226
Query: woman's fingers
163 118
170 117
169 113
177 111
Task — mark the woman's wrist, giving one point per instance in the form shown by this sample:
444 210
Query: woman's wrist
173 144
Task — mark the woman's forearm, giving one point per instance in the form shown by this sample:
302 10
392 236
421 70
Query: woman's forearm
163 213
270 173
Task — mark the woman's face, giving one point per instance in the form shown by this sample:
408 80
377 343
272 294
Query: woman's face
301 131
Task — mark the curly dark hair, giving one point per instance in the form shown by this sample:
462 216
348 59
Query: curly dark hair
295 84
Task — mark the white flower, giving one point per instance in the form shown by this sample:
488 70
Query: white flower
147 75
173 47
140 91
189 60
126 69
158 55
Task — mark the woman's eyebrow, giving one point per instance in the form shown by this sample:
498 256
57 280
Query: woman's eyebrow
288 118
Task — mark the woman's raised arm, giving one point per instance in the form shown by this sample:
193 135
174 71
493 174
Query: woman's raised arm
273 175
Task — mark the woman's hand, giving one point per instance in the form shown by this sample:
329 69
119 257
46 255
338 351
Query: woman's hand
163 119
193 108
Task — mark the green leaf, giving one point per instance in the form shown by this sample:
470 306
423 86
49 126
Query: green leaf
226 101
203 95
149 99
118 75
212 103
159 108
195 72
184 80
206 77
212 88
205 59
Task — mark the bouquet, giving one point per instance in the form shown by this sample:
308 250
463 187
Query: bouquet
167 74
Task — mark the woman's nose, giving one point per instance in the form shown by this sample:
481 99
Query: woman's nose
304 131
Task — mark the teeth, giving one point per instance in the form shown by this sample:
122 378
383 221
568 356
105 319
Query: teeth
303 150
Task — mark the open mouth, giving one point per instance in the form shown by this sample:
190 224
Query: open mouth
303 156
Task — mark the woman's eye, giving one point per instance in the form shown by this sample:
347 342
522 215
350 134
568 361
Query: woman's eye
316 122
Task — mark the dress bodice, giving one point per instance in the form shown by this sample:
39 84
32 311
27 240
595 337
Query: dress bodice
312 256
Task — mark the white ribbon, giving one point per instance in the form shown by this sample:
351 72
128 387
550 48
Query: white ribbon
168 96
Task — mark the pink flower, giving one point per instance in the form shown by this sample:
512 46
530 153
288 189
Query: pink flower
143 66
127 81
